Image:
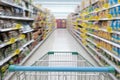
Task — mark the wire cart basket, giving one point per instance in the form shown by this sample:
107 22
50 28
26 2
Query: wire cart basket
61 66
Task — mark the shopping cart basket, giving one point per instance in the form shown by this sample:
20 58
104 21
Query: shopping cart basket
61 66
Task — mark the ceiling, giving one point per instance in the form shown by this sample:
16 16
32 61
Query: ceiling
60 8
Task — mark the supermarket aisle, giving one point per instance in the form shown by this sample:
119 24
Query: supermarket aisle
59 40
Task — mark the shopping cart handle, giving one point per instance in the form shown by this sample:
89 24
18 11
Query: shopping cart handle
61 69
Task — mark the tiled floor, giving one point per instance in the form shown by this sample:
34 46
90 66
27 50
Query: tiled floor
59 40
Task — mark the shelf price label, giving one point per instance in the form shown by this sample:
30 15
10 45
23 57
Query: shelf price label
78 19
96 17
83 35
12 40
76 28
96 28
109 29
98 45
84 24
17 51
109 16
97 9
18 26
84 42
22 36
106 5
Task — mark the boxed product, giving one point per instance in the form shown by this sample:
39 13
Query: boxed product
113 2
4 70
4 37
2 11
8 11
1 55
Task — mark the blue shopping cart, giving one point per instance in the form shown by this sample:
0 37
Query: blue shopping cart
61 66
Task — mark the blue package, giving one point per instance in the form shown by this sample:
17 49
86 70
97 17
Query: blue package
118 10
117 25
118 39
110 2
119 52
116 51
115 1
114 25
115 38
111 11
114 11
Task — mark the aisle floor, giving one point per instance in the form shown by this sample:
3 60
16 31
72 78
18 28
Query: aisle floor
59 40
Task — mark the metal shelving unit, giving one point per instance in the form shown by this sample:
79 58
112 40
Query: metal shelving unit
94 57
107 41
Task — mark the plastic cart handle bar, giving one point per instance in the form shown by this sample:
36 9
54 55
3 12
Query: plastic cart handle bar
61 69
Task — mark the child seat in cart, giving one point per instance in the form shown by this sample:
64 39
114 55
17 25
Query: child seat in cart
61 66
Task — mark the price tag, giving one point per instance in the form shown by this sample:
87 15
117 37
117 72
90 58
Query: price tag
96 17
84 37
76 23
17 51
84 24
98 45
97 9
75 28
109 29
84 31
22 36
109 16
91 17
84 42
96 28
106 5
12 40
18 26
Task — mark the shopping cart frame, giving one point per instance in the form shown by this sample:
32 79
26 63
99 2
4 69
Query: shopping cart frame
63 71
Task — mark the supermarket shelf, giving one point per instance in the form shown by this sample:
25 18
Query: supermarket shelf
104 9
5 60
77 31
29 42
110 42
103 19
3 2
7 43
29 4
103 57
28 31
8 3
76 34
8 29
91 4
17 18
8 58
39 37
30 54
98 61
116 32
35 48
94 57
108 52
